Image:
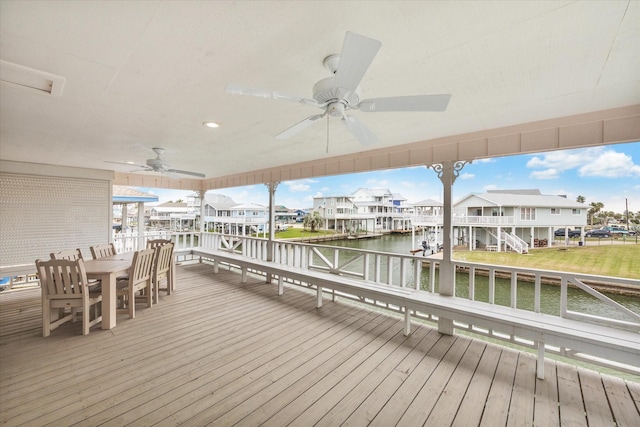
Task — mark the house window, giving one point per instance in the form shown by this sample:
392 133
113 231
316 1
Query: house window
555 211
576 211
528 214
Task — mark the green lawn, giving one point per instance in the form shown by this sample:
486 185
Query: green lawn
605 260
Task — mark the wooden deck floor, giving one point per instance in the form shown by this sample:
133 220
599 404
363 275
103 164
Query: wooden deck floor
223 353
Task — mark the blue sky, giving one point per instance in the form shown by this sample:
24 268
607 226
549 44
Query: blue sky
608 174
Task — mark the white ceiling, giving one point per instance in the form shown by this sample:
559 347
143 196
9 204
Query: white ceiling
147 74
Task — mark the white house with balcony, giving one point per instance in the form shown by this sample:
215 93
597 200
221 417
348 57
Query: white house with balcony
375 210
388 209
340 213
217 212
248 218
173 216
505 219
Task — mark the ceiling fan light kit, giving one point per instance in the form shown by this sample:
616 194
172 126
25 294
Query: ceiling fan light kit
340 93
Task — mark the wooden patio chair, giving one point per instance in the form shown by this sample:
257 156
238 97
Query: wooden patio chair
157 242
72 255
64 284
162 270
69 254
140 277
101 251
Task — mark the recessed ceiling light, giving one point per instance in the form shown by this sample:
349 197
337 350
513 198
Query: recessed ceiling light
211 124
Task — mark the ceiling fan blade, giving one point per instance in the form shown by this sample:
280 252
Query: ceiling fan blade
129 164
357 55
236 89
300 126
406 103
198 174
359 130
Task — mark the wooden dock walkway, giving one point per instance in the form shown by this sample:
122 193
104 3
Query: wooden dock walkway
219 352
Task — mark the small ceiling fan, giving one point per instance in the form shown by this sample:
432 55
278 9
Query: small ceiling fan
159 165
340 93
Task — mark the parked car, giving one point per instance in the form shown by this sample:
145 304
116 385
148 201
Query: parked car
598 233
572 233
616 230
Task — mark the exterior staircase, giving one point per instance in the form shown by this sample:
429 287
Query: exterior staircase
511 241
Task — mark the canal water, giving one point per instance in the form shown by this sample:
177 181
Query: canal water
577 299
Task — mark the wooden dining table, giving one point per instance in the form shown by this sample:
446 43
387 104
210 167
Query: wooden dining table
107 270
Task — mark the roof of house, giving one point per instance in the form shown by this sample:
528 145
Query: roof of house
427 202
531 198
530 192
249 206
219 201
374 192
123 194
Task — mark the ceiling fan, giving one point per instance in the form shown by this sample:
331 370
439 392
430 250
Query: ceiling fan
159 165
340 93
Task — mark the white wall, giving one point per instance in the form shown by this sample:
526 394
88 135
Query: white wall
45 209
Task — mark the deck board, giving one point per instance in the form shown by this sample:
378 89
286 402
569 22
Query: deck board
222 352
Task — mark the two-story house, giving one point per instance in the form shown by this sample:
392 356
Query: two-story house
486 219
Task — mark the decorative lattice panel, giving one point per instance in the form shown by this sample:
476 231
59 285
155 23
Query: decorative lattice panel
40 215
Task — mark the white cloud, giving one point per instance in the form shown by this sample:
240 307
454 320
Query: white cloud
565 159
545 174
298 187
602 162
377 183
611 164
476 161
466 176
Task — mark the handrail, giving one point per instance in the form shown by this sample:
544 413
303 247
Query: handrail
400 270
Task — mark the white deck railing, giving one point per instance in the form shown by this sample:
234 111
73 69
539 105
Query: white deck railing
462 220
398 270
491 284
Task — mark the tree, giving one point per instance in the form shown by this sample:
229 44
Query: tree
313 221
595 208
581 199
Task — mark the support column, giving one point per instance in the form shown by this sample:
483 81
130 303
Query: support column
447 172
532 237
141 237
272 219
201 194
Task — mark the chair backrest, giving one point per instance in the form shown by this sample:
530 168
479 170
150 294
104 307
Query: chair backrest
69 254
101 251
142 266
157 242
162 264
62 278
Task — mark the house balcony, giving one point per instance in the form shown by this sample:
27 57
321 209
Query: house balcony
222 352
464 220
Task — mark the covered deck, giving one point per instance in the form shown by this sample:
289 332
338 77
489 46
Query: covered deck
222 352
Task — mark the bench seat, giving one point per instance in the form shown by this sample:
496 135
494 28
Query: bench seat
622 346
